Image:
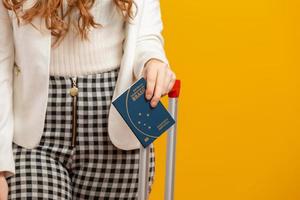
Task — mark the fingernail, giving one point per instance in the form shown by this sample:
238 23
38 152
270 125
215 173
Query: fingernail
148 96
153 103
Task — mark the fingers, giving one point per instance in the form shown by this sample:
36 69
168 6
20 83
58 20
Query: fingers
151 79
160 80
159 87
169 82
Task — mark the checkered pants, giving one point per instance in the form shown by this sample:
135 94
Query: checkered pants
93 168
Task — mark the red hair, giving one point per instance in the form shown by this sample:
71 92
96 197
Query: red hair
48 9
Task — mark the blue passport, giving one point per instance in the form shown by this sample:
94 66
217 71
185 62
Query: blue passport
145 121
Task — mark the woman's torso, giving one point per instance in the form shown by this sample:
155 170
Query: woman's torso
102 52
31 52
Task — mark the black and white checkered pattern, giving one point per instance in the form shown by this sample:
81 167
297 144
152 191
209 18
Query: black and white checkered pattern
94 168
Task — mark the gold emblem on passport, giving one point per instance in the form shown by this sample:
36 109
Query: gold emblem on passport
137 92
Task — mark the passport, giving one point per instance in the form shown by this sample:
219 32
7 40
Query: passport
145 121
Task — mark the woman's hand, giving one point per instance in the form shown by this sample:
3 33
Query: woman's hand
160 80
3 187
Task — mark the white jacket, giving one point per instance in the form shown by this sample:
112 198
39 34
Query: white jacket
24 95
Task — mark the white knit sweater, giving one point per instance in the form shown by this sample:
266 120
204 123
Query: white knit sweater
104 50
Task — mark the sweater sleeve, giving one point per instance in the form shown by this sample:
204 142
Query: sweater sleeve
150 42
7 163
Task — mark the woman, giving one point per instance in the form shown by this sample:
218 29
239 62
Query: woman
61 65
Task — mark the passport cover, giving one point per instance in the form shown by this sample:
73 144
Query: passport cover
146 122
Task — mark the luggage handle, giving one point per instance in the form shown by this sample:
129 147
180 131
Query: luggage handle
171 153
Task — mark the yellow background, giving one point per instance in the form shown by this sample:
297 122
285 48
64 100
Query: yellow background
238 131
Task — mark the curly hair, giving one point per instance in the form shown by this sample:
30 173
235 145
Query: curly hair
59 24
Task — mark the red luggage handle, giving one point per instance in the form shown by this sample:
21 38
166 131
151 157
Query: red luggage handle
174 93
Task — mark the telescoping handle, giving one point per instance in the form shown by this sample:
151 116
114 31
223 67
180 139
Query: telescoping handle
143 190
